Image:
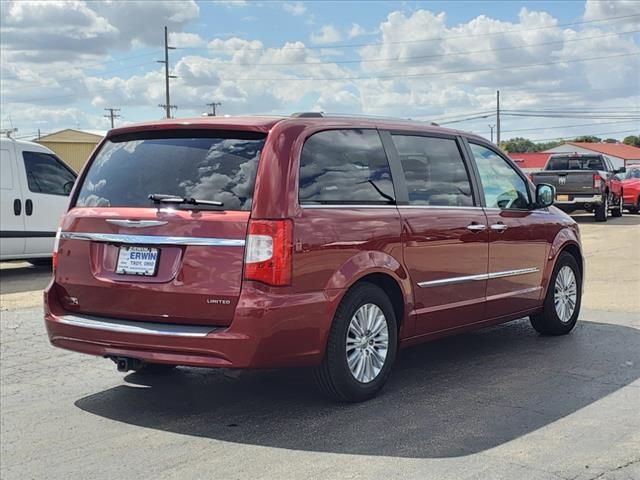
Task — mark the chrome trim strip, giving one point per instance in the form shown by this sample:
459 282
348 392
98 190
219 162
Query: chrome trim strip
138 328
513 273
474 278
440 207
452 280
152 239
346 206
135 223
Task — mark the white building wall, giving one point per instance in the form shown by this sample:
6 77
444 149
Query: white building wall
617 162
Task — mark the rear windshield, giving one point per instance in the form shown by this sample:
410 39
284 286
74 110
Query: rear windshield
575 163
201 166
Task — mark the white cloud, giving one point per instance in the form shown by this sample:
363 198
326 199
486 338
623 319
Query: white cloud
327 34
356 31
185 40
295 8
599 9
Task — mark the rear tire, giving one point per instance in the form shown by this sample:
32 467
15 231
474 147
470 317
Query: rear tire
351 355
617 211
559 315
601 211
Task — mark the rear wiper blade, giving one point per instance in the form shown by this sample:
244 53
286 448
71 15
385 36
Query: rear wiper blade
178 200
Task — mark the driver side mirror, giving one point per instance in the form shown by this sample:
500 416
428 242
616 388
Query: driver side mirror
621 170
545 194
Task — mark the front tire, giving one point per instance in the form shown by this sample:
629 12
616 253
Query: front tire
564 296
361 347
617 211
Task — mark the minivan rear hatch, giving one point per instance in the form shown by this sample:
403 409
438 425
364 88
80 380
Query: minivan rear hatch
176 257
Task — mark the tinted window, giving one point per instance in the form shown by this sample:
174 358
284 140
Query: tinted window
344 166
45 174
575 163
434 171
124 173
503 187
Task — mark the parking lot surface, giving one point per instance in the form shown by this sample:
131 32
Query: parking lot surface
498 403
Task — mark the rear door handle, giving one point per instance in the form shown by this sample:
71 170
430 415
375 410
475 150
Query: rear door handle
28 207
499 227
476 227
17 206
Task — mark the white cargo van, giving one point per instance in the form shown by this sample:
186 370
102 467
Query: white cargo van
35 187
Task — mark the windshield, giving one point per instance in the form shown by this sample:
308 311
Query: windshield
631 174
219 168
575 163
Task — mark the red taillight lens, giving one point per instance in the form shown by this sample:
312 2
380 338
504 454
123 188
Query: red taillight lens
596 181
268 252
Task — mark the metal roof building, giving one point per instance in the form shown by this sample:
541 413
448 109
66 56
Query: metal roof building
72 146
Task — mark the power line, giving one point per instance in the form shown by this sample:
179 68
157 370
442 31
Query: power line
431 74
592 124
422 57
213 106
473 35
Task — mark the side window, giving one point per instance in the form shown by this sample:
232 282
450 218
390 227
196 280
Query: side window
45 174
434 171
6 172
503 187
345 166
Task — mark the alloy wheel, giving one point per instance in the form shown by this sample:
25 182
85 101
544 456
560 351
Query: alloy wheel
367 343
565 293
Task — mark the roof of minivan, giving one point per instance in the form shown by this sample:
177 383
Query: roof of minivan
266 123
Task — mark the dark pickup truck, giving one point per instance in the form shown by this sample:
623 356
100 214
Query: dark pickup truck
583 182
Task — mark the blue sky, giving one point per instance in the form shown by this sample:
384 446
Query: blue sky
63 62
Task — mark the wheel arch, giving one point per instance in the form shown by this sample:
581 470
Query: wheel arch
566 240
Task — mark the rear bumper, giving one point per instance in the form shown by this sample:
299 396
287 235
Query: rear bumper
578 200
269 330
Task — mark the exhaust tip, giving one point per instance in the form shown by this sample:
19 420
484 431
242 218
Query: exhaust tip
125 364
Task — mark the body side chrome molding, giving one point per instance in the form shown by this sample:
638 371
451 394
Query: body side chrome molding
143 328
475 278
152 239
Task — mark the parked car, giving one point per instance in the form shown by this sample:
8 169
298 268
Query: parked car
326 242
631 188
584 182
35 186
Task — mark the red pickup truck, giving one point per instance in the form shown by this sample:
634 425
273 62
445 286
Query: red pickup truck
584 182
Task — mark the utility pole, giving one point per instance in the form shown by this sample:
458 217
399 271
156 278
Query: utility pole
498 117
491 127
112 114
213 106
167 106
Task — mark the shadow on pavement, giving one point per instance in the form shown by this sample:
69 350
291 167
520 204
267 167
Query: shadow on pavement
626 219
16 277
452 397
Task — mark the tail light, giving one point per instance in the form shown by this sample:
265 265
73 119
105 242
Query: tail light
596 181
54 257
268 252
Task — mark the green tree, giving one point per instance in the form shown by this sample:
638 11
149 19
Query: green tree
518 145
610 140
588 139
633 140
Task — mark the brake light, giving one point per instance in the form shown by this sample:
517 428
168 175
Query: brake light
54 256
596 181
268 252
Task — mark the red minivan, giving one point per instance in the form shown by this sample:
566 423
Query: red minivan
310 240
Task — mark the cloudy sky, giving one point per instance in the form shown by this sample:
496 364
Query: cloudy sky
63 62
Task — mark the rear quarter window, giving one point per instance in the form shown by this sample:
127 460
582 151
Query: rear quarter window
345 167
203 166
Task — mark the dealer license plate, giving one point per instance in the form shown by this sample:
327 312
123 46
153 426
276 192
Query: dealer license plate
137 261
562 198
